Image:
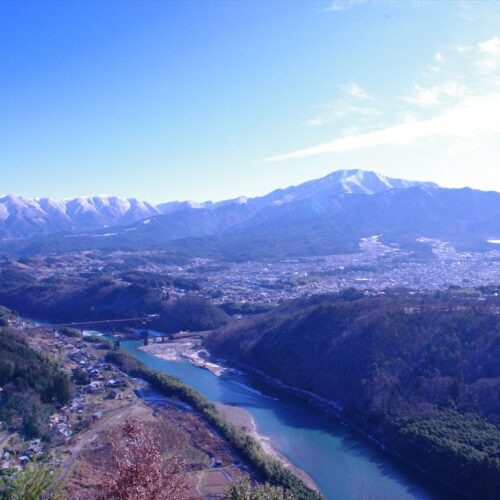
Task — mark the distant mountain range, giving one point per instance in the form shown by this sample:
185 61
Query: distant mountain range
319 217
23 217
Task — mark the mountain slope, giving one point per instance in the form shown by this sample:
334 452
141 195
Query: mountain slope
320 225
230 216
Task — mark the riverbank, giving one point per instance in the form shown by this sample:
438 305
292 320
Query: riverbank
80 450
190 351
244 420
359 427
267 467
344 457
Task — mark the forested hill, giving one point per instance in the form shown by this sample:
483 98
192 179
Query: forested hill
125 295
421 373
32 385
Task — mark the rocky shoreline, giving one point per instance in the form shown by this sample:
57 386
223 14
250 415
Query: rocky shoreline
190 351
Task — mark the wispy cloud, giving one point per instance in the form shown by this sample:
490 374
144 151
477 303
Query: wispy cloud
354 90
435 95
341 109
341 5
469 119
438 56
484 55
466 12
489 55
352 103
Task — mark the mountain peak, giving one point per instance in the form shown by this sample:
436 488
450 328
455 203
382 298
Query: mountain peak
366 181
340 182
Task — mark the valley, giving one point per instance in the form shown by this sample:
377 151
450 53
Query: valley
367 374
387 346
250 250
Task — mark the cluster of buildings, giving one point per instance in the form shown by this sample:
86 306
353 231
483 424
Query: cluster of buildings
14 462
376 267
103 388
430 265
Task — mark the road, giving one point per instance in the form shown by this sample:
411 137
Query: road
83 439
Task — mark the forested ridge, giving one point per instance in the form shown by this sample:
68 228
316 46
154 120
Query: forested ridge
32 386
101 297
421 373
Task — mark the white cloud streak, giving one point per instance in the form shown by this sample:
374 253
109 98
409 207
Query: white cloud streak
463 93
466 120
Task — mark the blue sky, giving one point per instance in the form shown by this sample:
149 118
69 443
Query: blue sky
211 100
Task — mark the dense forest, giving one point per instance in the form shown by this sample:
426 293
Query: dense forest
32 386
421 373
190 313
125 295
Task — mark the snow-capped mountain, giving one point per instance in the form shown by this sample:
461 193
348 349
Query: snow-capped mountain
174 206
336 183
317 217
311 205
23 217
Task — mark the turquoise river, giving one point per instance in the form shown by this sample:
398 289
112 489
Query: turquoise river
343 464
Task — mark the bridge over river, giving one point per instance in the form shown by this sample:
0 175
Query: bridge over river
138 322
106 323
